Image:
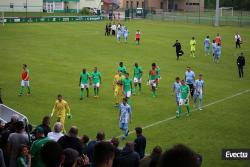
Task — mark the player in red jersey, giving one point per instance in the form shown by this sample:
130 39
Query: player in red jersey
25 80
137 37
218 39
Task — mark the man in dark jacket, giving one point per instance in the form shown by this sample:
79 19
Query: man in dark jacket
71 140
241 64
128 157
140 142
177 46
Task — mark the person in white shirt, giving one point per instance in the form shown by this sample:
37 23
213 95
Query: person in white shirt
237 40
113 28
57 134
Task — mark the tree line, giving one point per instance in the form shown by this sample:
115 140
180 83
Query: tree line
237 4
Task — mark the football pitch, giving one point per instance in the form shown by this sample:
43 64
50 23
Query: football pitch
56 53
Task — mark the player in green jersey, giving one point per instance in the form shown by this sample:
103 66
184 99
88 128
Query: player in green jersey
84 82
122 68
96 78
137 77
185 95
127 87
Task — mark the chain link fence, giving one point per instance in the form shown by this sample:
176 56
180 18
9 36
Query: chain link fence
238 18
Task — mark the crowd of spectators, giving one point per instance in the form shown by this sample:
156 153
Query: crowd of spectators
20 146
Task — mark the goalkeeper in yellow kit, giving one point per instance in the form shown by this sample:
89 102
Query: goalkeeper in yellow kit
61 109
117 87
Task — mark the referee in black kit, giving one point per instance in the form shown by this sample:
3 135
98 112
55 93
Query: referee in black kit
241 64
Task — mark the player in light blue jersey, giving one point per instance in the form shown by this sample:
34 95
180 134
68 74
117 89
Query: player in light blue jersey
177 91
214 45
118 35
207 46
124 117
190 78
125 34
217 53
198 91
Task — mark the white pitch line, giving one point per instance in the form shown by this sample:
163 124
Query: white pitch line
207 105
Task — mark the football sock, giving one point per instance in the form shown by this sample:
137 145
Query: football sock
179 111
22 89
97 91
200 103
28 89
188 109
81 94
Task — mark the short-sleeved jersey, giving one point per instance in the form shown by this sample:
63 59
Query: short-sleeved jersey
60 108
218 50
177 87
125 110
84 77
127 84
137 72
123 69
214 45
138 35
184 91
125 32
25 74
153 74
217 39
192 43
199 84
190 77
96 76
207 42
118 80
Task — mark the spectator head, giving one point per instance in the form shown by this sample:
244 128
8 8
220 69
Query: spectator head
127 75
192 38
138 131
208 36
39 131
103 154
155 156
156 152
153 65
115 142
179 156
58 127
213 41
14 118
136 64
52 154
100 136
120 72
70 157
73 132
84 70
200 76
84 139
188 68
130 146
24 150
19 126
95 69
124 100
177 79
46 120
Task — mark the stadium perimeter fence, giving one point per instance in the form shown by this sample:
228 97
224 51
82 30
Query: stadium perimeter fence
239 18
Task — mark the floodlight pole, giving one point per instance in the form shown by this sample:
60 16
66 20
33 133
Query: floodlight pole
217 13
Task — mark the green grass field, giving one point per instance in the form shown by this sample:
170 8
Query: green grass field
57 52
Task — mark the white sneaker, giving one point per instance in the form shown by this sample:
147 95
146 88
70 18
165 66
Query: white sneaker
200 109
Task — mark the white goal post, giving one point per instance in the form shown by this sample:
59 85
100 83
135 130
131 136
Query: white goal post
230 9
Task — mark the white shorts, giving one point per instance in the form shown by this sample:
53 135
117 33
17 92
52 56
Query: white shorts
153 83
82 86
137 80
97 85
183 102
25 83
127 94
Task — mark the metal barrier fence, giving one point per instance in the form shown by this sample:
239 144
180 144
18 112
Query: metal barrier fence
207 18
